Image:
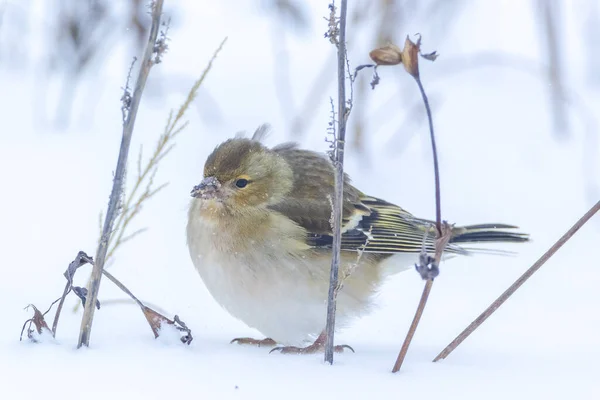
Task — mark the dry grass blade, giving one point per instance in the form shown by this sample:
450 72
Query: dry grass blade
517 284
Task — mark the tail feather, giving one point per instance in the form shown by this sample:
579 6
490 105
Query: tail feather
485 233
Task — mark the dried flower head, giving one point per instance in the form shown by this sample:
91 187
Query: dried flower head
408 56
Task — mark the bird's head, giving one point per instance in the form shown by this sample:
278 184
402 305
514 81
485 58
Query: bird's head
242 173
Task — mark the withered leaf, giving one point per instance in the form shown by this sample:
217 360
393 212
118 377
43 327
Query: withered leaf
37 320
430 56
156 320
82 292
410 58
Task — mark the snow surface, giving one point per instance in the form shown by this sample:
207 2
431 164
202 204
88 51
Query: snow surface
499 162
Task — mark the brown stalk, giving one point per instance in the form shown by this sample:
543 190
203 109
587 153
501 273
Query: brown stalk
427 267
440 244
517 284
152 54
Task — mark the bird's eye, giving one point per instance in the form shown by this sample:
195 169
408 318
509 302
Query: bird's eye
241 183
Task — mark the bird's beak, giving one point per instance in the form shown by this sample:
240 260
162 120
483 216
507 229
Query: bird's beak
207 189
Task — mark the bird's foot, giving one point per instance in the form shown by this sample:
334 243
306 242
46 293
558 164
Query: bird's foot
317 347
268 342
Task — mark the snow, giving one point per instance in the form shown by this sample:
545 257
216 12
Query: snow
499 163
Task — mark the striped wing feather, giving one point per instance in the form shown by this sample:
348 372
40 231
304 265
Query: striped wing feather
388 229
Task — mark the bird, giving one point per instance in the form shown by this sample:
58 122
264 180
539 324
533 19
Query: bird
260 235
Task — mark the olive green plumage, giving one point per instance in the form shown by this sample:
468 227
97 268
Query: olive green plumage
300 185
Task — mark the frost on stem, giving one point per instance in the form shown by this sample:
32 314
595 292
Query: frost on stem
351 267
161 46
333 24
331 132
126 98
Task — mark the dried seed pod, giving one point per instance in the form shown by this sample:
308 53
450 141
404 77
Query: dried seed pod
387 55
410 57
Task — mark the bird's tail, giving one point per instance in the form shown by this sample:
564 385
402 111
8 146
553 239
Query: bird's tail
486 233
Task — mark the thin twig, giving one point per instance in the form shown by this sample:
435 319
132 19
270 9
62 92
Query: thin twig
425 260
517 284
59 308
413 326
122 287
436 168
155 319
80 260
339 183
427 267
117 189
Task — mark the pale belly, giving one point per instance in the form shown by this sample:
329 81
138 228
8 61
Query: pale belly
280 293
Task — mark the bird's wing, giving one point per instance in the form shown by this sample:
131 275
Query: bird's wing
381 227
369 224
389 229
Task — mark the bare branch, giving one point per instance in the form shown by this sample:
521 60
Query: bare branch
117 189
517 284
339 178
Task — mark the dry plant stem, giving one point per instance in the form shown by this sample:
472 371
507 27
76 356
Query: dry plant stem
59 308
443 234
436 168
339 185
132 205
440 245
518 283
122 287
413 326
117 189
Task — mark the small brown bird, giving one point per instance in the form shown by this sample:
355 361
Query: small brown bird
259 234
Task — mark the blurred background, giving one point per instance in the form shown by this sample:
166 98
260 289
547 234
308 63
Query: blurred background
68 48
515 95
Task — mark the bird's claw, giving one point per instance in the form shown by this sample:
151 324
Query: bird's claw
312 349
268 342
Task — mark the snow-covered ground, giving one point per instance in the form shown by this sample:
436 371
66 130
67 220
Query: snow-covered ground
499 163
